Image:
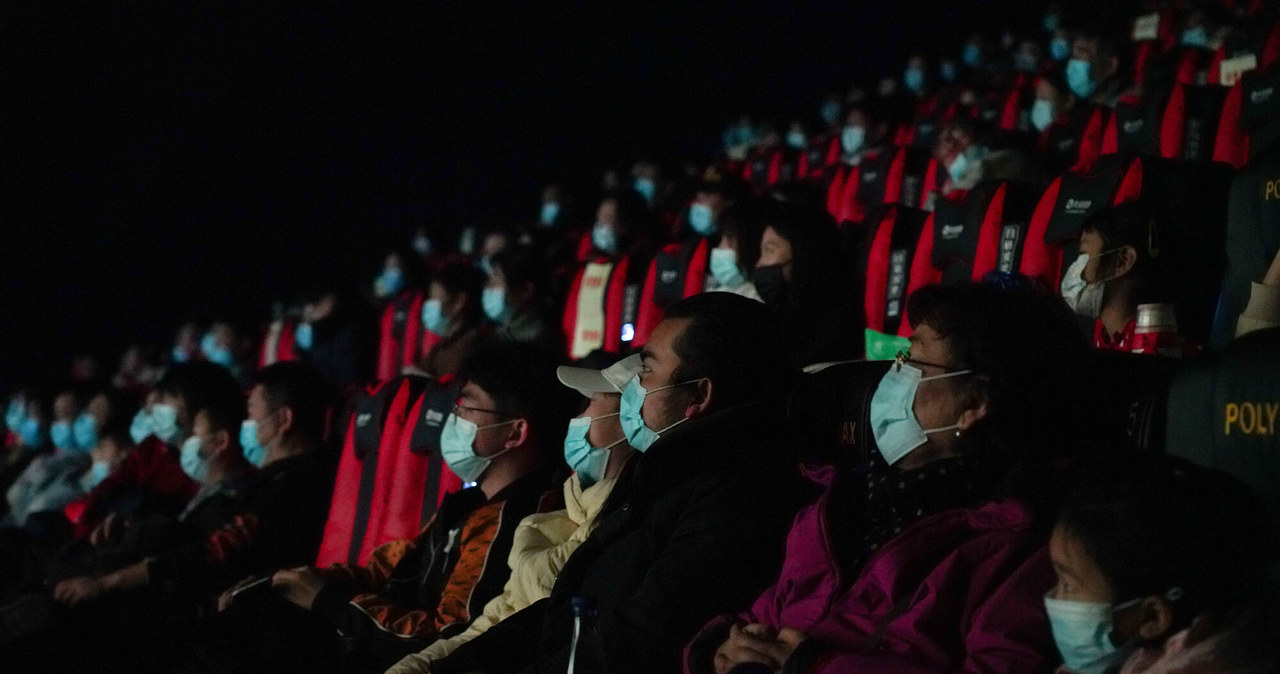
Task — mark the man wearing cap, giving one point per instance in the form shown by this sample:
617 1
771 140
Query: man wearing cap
503 436
596 449
696 521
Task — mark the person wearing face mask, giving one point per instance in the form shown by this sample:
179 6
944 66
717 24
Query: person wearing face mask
186 344
695 520
913 77
597 451
1061 122
1093 72
1163 567
1115 272
715 193
517 300
929 557
1059 49
796 275
735 256
969 151
151 479
342 339
212 457
278 523
501 437
452 316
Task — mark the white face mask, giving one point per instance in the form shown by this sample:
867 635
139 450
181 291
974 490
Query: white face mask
1083 297
893 418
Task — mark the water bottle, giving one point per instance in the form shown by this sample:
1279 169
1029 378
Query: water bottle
586 653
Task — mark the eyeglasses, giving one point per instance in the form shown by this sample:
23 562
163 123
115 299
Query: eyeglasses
459 408
904 358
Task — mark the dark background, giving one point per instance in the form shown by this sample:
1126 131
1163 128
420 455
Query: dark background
167 161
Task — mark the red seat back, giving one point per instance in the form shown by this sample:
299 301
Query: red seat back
678 271
278 343
420 479
595 310
400 343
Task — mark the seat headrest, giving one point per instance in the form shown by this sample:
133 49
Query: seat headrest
1224 413
438 399
831 410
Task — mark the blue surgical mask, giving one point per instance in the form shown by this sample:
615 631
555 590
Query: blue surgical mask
433 317
1079 78
494 301
588 462
724 268
61 437
913 80
830 112
947 71
604 238
957 167
389 282
639 435
457 440
550 211
164 423
179 355
1042 114
97 473
15 413
646 188
971 55
29 431
702 220
485 264
422 245
1082 631
852 137
303 336
1050 22
1195 37
85 431
141 427
254 452
1059 49
893 419
796 140
214 353
195 466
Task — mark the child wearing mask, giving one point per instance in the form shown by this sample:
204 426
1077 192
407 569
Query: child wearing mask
1163 570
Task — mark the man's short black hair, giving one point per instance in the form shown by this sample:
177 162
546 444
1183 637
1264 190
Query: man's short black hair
301 388
201 385
733 341
225 415
462 278
521 379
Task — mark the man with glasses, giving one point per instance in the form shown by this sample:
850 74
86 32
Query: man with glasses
502 440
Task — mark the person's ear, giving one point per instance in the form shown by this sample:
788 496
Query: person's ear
1155 615
518 435
1126 258
286 420
974 413
704 394
218 442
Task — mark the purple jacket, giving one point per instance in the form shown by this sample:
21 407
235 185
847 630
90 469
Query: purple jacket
960 591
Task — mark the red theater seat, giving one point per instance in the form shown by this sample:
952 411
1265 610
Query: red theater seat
893 236
365 455
678 271
595 310
278 342
1190 124
1053 235
401 334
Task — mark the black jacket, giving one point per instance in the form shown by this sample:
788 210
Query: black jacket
279 527
694 528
